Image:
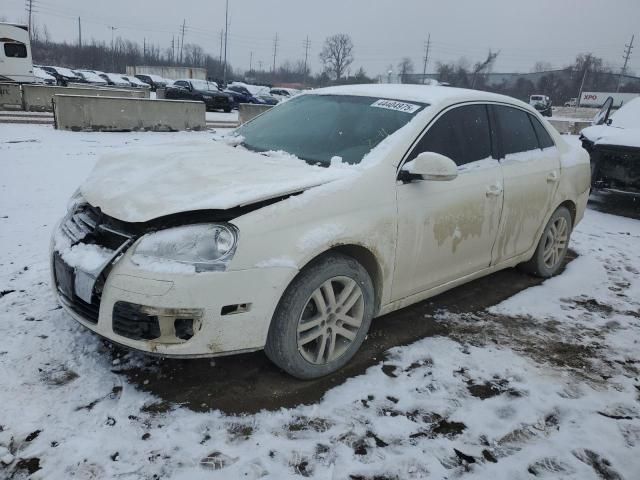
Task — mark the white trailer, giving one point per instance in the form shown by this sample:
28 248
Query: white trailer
16 63
597 99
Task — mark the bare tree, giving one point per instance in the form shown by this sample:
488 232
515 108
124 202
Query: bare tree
405 67
542 67
337 54
481 67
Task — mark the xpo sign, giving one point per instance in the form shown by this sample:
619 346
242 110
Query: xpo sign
596 99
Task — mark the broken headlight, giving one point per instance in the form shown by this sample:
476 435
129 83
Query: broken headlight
203 248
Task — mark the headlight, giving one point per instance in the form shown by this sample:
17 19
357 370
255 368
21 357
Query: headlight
75 200
206 247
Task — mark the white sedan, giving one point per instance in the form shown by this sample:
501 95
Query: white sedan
291 235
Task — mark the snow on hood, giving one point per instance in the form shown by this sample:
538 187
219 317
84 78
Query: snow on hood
147 183
623 131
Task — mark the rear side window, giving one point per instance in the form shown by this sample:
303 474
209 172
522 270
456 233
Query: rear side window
516 130
462 134
544 138
15 50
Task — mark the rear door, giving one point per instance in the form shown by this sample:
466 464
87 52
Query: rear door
447 229
531 169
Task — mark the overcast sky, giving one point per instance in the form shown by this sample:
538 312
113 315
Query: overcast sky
383 31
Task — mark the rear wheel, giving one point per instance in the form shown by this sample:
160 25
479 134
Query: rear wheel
552 248
322 318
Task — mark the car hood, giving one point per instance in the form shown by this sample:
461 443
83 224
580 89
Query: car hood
615 136
144 184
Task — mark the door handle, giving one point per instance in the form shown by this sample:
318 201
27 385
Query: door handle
494 190
553 177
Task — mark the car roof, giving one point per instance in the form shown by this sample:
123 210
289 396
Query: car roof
429 94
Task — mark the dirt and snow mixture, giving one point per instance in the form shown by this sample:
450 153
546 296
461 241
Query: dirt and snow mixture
543 385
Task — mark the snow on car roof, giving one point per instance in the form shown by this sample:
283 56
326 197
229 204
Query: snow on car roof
430 94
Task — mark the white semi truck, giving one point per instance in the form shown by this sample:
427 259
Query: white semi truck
16 63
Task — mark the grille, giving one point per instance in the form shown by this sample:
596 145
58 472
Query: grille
131 322
80 223
65 278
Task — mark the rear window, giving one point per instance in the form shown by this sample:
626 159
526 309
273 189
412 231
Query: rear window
15 50
536 97
516 130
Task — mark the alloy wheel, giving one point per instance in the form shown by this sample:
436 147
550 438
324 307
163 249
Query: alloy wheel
330 320
556 241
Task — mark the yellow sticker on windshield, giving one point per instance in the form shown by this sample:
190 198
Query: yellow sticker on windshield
397 106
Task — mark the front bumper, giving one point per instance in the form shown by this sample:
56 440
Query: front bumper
234 308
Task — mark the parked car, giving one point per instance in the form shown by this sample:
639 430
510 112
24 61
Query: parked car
267 99
572 102
63 76
200 90
43 77
135 82
339 205
240 95
541 103
613 143
91 77
154 81
283 93
115 80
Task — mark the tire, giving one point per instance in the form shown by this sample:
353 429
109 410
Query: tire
227 110
305 339
552 248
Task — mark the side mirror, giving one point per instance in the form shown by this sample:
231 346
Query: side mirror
429 166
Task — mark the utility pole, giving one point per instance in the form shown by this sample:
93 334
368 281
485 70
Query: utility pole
427 46
275 51
144 48
250 62
30 9
173 49
221 44
226 39
587 64
184 26
627 55
113 51
79 33
307 44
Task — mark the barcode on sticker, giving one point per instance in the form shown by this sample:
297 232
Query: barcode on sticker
395 105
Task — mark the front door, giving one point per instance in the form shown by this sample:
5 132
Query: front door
447 229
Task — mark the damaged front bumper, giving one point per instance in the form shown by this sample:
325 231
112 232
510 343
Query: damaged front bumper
167 313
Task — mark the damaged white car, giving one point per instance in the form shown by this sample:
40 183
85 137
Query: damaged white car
335 207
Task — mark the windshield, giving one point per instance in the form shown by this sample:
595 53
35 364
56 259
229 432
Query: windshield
317 128
536 97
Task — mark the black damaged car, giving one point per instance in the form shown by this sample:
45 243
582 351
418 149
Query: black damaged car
200 90
613 143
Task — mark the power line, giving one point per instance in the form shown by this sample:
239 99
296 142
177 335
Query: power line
627 55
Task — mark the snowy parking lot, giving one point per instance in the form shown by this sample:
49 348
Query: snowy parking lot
545 384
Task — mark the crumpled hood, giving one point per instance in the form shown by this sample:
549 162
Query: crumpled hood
610 135
142 184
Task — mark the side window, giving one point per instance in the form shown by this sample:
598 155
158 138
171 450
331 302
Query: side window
181 84
15 50
516 130
462 134
544 139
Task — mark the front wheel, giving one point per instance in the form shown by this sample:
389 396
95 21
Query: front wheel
552 248
227 110
322 318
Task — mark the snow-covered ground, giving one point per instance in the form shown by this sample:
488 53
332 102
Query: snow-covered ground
544 385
